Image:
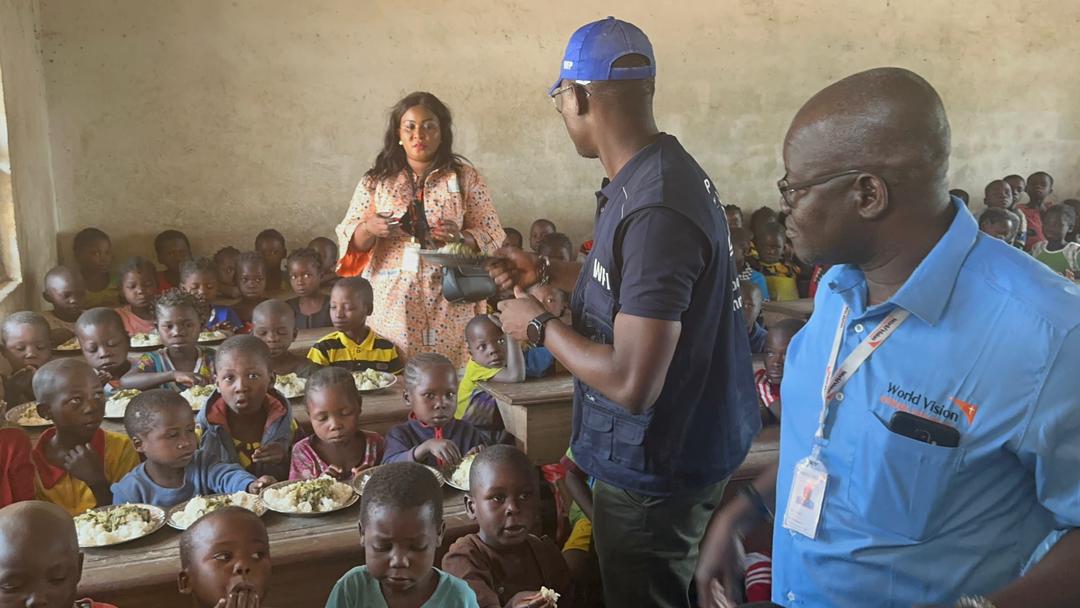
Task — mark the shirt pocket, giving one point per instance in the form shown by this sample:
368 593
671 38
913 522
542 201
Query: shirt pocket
598 314
898 484
612 433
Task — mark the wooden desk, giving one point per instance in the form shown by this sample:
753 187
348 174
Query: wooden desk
801 309
308 555
306 338
538 413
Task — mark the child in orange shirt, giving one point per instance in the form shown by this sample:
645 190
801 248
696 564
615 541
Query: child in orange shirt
139 286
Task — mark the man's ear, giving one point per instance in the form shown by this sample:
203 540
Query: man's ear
470 507
442 532
183 582
873 196
581 100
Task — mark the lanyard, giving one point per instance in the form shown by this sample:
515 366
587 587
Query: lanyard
835 380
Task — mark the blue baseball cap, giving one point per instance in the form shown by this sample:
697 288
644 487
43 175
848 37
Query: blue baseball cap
595 46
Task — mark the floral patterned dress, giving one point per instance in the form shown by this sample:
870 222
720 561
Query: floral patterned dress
409 307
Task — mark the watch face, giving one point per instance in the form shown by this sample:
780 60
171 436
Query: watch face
533 332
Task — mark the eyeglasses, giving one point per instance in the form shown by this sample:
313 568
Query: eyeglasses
555 95
787 188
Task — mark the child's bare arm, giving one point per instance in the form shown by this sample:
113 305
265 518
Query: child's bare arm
581 493
515 363
148 380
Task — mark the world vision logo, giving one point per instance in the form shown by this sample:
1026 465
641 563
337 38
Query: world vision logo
969 409
920 404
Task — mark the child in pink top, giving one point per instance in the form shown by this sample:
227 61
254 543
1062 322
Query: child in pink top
138 286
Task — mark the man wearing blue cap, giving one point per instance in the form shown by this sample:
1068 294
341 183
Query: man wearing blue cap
664 403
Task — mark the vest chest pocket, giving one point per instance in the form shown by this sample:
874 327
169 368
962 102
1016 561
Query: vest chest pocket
598 313
613 433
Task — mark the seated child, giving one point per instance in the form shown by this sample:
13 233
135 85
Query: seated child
734 216
1040 185
513 238
780 276
161 425
751 310
1073 204
768 379
538 360
225 560
64 289
557 246
759 220
493 355
77 462
40 562
246 420
226 259
339 447
1057 253
93 256
104 345
173 249
328 252
999 223
401 513
138 284
181 362
27 346
962 195
311 306
577 550
432 435
1018 184
353 345
539 229
272 322
199 277
270 244
251 279
504 563
740 248
16 469
997 194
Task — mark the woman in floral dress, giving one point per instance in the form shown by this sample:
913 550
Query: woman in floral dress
418 195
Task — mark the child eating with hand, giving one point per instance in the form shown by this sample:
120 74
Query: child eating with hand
504 563
401 514
768 379
93 256
432 435
161 426
270 244
328 253
353 345
199 277
138 284
493 355
105 346
40 562
64 289
226 259
251 280
273 322
1056 252
27 345
173 249
780 276
311 307
225 560
246 420
339 447
181 362
77 462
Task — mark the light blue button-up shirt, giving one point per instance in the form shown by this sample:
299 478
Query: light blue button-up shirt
992 348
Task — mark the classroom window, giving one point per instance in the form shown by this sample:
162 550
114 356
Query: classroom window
10 273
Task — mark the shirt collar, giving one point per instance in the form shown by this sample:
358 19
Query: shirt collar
927 291
275 406
610 188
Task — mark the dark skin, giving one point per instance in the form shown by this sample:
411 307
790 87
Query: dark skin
399 551
433 400
1039 187
95 263
227 274
66 291
277 328
771 247
490 347
251 280
505 503
273 251
40 562
305 278
512 239
998 194
537 232
27 346
77 408
751 303
179 328
631 371
244 380
999 230
172 253
229 564
328 251
105 348
349 310
139 288
1055 227
1018 185
335 419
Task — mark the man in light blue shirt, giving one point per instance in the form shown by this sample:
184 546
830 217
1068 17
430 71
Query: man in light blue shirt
952 451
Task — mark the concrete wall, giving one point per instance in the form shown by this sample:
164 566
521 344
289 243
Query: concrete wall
222 118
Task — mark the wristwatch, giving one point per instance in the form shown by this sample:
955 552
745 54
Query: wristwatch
544 271
535 330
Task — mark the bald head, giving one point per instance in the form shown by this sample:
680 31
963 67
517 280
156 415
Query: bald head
39 548
45 522
272 309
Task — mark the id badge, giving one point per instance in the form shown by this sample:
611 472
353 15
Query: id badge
803 512
410 258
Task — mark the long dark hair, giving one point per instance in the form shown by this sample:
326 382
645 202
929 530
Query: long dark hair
391 160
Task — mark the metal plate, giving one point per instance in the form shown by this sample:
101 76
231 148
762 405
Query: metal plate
259 508
14 413
360 480
111 399
385 375
281 484
157 521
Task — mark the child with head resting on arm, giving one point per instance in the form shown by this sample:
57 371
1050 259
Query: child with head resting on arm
105 345
353 345
328 252
138 284
65 290
273 322
1062 256
493 355
27 345
768 379
226 259
504 563
339 447
181 362
225 560
173 249
401 528
93 256
246 421
40 562
199 277
270 244
432 436
251 280
77 462
311 306
162 428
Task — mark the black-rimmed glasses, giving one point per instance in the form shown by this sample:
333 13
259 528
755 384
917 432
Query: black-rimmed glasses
787 188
